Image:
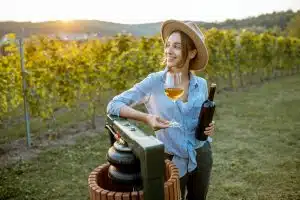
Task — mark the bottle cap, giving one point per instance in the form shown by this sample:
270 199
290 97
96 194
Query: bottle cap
213 85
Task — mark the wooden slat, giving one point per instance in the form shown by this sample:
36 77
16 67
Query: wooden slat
104 194
165 173
94 188
118 196
176 170
141 195
175 177
98 194
168 171
111 195
175 191
93 173
171 190
166 191
172 166
134 196
178 187
90 192
126 196
92 179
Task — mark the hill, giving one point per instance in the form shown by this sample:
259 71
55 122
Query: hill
259 23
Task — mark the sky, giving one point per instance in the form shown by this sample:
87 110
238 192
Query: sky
139 11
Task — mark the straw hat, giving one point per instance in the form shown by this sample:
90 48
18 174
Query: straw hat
194 33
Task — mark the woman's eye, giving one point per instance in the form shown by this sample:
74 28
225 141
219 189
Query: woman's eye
174 46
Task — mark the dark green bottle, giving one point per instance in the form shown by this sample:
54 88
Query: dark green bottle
206 114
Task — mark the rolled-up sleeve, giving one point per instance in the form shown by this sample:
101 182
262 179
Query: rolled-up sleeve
132 96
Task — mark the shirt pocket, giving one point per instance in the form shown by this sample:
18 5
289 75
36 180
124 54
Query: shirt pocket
195 109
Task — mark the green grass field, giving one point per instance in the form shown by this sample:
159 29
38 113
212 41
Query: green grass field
255 148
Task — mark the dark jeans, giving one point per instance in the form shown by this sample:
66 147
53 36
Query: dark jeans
194 185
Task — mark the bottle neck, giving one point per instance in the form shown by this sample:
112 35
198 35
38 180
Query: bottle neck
212 91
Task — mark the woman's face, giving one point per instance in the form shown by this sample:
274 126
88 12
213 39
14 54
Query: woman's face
173 53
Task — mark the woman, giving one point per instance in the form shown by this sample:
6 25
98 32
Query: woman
184 51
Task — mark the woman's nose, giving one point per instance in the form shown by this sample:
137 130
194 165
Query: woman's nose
168 50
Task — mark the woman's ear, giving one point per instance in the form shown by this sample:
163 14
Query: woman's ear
192 53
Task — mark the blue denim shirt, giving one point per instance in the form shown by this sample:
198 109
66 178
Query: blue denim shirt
180 142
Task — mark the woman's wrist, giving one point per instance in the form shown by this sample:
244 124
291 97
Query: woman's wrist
145 118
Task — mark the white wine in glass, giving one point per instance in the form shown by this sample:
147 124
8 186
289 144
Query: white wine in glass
173 90
174 93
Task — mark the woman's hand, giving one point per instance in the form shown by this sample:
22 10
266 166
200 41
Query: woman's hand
211 129
156 122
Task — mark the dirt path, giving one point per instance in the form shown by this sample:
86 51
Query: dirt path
17 150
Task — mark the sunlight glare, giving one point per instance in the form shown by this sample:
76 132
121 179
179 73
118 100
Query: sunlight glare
66 21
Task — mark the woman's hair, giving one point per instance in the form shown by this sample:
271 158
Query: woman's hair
187 44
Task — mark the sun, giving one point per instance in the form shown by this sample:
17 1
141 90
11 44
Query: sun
66 21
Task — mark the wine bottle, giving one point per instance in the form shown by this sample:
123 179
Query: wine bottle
206 114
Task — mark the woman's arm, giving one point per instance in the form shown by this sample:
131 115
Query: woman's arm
121 104
131 113
131 97
153 121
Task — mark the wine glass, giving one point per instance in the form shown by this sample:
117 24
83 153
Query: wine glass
173 90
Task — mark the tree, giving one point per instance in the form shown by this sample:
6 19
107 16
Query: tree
293 27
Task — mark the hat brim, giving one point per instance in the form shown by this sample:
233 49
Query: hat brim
201 59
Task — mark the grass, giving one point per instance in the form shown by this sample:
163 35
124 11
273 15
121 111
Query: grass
59 173
255 149
39 127
65 118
